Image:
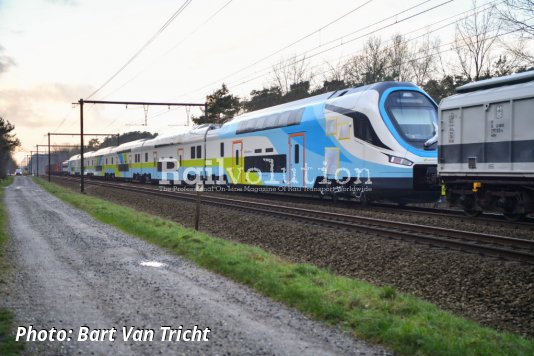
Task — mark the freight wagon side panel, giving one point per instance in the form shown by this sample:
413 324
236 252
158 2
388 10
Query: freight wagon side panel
493 138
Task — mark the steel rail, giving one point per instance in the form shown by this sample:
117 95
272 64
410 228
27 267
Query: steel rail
487 244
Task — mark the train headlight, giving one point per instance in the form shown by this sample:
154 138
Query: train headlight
400 160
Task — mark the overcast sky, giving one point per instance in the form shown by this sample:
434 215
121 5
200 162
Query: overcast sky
54 52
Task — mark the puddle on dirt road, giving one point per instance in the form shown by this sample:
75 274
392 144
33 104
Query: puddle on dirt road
152 264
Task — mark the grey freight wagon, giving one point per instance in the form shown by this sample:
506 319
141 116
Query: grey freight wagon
486 146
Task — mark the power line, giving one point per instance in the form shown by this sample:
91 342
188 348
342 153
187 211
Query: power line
158 32
354 39
303 38
171 49
269 69
495 36
64 119
483 7
322 45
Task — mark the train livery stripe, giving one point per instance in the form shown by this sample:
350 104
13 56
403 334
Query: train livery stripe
489 152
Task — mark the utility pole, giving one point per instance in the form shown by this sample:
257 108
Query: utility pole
37 160
49 168
143 103
77 134
81 147
49 153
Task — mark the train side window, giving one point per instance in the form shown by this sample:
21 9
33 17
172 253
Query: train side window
193 152
271 121
295 117
199 151
146 156
364 130
297 152
259 123
237 157
106 160
222 149
283 119
111 160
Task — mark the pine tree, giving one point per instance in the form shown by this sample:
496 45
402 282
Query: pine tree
222 106
8 142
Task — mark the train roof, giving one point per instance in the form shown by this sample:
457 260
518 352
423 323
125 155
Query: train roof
511 91
317 99
127 146
512 79
197 133
104 150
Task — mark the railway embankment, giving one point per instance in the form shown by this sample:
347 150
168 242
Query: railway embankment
383 314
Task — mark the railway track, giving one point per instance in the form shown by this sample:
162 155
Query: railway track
492 218
473 242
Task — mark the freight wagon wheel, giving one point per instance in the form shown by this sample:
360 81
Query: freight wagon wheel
513 217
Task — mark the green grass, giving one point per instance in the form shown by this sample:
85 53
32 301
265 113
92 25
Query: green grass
401 322
8 346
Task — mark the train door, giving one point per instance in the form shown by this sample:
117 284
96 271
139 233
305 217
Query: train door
297 160
238 174
180 157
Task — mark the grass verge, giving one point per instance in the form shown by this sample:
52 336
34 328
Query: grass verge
8 346
401 322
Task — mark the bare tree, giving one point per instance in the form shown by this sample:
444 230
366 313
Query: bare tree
370 66
474 40
515 15
399 57
291 71
335 72
425 59
518 52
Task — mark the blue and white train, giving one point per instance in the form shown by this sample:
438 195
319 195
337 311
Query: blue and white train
376 142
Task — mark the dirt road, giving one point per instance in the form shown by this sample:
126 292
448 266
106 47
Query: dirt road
70 271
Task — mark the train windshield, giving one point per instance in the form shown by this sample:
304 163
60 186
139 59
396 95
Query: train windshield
414 115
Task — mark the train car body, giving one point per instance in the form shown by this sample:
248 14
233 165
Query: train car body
65 168
54 168
74 166
486 146
376 142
